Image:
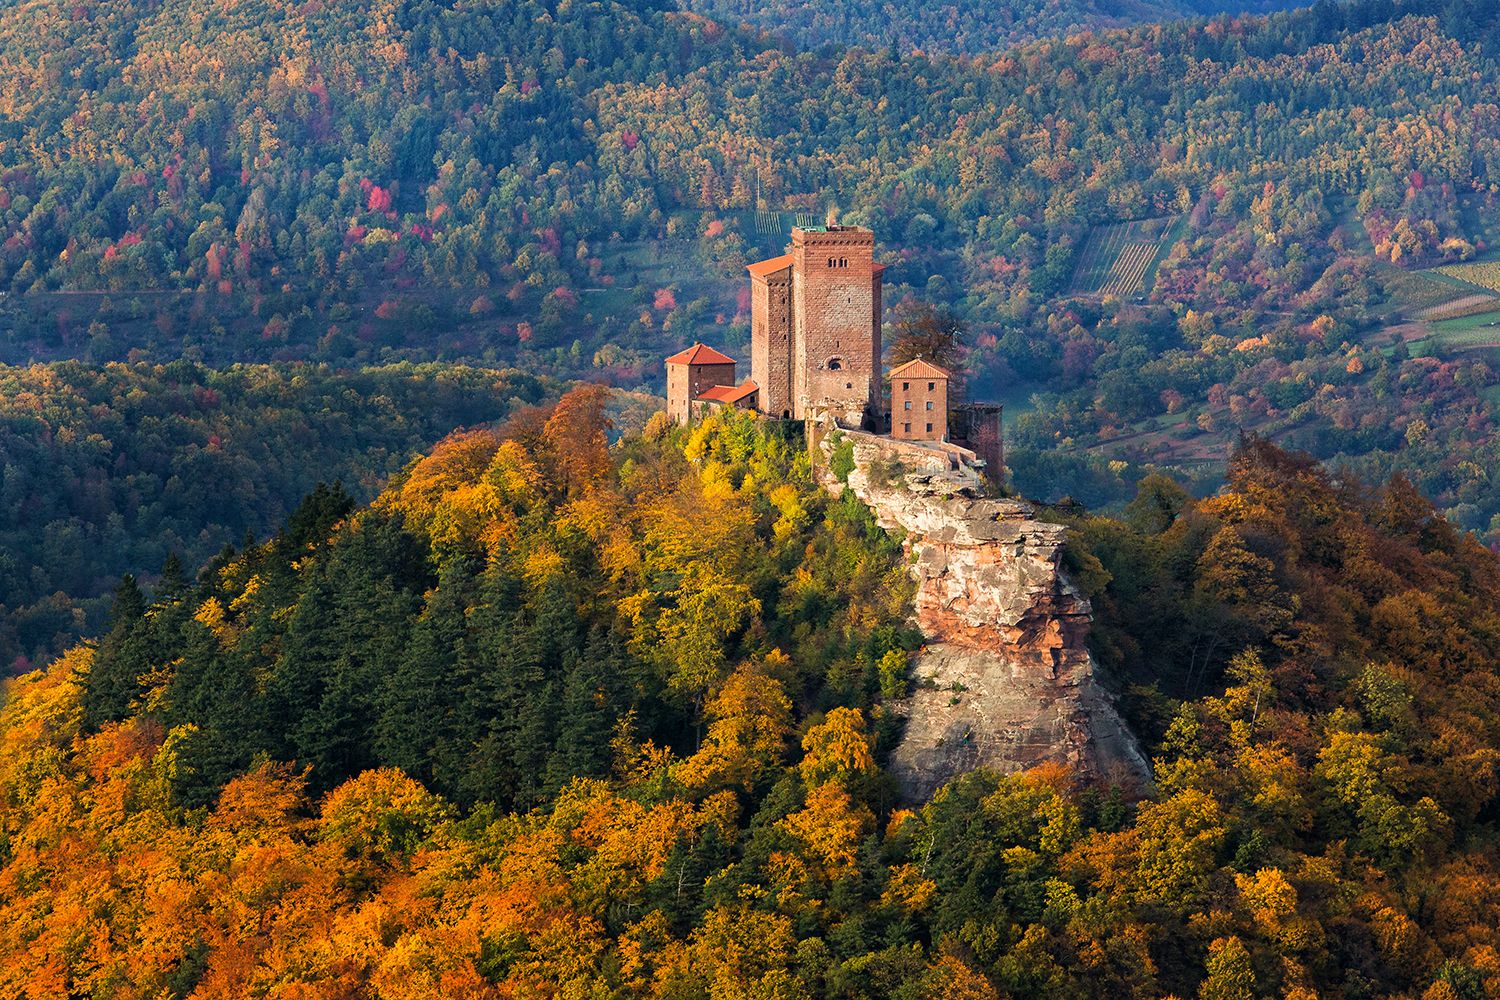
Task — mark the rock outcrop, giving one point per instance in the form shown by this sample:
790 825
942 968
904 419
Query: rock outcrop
1007 681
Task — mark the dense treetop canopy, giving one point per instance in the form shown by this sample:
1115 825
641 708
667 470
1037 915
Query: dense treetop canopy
574 186
954 25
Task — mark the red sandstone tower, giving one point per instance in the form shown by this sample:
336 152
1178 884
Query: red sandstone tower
815 317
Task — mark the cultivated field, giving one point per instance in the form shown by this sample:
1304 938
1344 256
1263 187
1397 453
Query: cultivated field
1118 259
1484 273
1127 275
1477 332
1464 305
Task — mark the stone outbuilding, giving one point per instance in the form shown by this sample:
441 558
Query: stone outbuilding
691 373
919 401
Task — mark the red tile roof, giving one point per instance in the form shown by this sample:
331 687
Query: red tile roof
877 268
917 368
700 354
729 393
767 267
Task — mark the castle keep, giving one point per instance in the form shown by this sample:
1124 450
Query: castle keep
815 326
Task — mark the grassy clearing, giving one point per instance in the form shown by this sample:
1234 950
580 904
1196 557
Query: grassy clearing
1466 333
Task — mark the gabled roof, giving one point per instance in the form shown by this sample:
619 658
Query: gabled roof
917 368
877 268
729 393
764 268
700 354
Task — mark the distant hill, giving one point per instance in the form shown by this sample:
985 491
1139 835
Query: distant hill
111 470
954 26
574 187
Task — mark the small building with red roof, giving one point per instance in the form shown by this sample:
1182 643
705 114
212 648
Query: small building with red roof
691 373
743 395
919 401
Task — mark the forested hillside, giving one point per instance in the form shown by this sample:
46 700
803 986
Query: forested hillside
108 470
955 25
555 718
574 187
287 151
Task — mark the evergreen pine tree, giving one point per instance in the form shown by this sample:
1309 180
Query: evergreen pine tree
590 706
419 700
113 682
349 632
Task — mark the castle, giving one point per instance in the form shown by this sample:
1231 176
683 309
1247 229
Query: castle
815 346
814 336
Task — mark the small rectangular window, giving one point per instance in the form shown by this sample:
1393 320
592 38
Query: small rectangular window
929 404
907 406
929 428
905 386
931 386
906 428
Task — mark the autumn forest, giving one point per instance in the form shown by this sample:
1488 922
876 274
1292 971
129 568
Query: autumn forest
366 631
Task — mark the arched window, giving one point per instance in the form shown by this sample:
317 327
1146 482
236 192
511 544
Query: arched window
835 364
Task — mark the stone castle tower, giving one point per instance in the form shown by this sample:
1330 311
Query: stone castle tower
815 326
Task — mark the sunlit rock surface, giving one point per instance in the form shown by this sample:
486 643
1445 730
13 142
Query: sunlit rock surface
1007 681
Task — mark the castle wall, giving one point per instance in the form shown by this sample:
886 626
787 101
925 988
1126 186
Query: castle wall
679 400
877 293
770 341
978 426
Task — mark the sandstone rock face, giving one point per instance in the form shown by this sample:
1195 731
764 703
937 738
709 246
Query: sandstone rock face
1008 681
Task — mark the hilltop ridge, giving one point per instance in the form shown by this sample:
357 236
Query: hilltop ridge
554 715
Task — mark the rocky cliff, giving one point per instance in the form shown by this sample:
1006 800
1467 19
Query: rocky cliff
1007 680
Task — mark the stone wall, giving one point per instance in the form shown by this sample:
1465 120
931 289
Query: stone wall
1007 680
979 426
770 341
679 394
